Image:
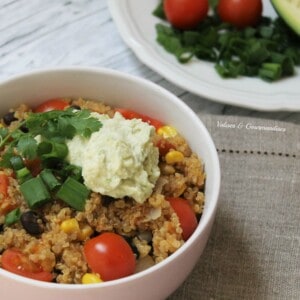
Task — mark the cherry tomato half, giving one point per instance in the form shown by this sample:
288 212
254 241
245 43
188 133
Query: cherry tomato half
185 14
13 260
186 216
52 104
6 203
110 256
130 114
240 13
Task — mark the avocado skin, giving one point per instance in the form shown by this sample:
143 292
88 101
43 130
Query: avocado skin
289 11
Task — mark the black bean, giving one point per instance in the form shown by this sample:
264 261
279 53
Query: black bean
24 128
132 246
9 118
32 222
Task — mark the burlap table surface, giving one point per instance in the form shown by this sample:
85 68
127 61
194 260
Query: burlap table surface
254 248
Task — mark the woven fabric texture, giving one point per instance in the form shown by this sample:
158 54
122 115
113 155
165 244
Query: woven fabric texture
254 248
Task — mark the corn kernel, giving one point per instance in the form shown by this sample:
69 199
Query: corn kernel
85 232
167 131
88 278
173 157
70 226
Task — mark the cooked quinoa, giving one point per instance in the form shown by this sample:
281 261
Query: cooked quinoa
152 228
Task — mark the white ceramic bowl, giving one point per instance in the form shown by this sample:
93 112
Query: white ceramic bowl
123 90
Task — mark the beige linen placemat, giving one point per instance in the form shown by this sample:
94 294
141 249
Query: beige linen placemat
254 249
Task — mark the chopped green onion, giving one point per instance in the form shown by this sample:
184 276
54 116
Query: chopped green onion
184 57
49 179
23 174
266 31
12 217
249 32
73 193
257 53
235 52
35 192
270 71
285 61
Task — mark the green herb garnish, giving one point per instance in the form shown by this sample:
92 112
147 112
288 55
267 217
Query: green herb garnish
45 139
53 128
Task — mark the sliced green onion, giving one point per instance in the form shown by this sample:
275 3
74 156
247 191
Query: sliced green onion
285 61
73 193
185 57
257 53
266 31
270 71
23 174
35 192
249 32
12 217
235 52
49 179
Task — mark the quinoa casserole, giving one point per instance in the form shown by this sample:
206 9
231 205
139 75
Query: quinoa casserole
65 218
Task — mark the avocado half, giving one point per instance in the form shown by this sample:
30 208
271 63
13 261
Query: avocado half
289 11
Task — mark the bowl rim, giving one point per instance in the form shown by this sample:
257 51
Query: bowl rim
204 222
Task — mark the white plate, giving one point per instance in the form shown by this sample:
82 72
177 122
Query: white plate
136 25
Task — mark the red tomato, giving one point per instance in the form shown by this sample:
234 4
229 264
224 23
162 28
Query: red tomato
3 185
6 203
110 256
34 165
52 104
130 114
164 146
240 13
185 14
186 216
13 260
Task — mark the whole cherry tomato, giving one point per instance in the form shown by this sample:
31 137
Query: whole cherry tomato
186 216
110 256
240 13
185 14
52 104
13 260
